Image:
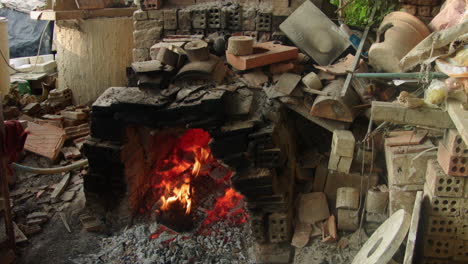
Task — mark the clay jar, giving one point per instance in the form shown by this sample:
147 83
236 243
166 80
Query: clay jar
407 31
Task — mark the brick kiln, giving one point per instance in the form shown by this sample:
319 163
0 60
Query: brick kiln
173 145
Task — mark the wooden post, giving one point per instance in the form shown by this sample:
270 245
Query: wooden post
4 188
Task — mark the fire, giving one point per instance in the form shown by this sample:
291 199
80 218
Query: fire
184 163
229 207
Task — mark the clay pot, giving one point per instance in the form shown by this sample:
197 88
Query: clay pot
407 31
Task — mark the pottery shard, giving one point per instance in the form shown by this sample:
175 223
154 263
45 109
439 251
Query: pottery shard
313 207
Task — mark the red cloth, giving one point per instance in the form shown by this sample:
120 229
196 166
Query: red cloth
13 141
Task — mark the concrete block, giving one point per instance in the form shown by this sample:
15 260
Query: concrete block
408 168
343 142
140 55
441 184
278 227
170 19
140 15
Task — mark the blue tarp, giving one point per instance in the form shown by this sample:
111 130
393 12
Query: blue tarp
25 33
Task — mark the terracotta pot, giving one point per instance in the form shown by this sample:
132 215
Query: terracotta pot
407 31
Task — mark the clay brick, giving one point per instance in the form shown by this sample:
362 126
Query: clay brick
258 228
452 165
170 19
462 229
400 199
234 19
460 250
336 180
199 20
278 227
424 11
274 53
438 247
263 21
348 220
140 55
214 17
441 226
436 261
454 143
156 15
441 206
248 19
45 140
146 24
184 20
343 143
340 163
403 169
140 15
284 67
441 184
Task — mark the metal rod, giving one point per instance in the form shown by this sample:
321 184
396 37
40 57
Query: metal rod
357 57
406 75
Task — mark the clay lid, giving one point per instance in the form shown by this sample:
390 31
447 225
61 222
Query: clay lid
408 18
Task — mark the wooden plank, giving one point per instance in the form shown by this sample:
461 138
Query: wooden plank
330 125
82 14
413 231
459 118
60 187
398 114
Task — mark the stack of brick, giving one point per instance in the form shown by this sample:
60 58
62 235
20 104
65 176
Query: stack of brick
445 233
425 10
406 168
342 151
148 27
204 19
445 229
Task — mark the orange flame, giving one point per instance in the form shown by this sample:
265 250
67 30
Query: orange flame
177 180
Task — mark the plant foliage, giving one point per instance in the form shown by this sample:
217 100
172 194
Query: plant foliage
358 12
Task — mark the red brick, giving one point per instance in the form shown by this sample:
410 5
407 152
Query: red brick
283 67
45 140
264 54
451 164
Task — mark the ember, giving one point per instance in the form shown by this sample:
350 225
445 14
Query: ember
187 179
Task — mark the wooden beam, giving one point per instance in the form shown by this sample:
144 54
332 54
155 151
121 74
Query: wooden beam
459 118
82 14
423 116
